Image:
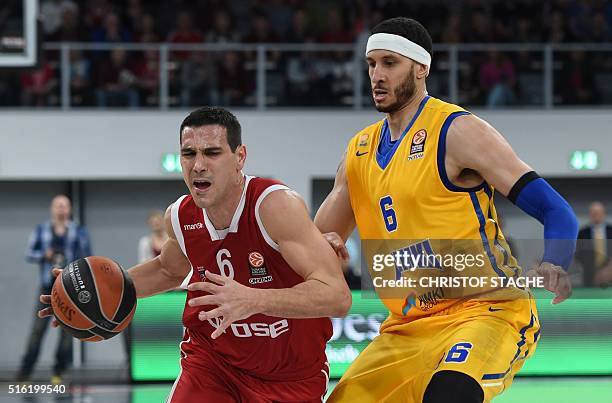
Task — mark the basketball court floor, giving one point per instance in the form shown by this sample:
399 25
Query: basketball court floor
524 390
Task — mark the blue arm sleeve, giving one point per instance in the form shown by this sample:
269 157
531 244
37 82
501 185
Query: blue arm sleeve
538 199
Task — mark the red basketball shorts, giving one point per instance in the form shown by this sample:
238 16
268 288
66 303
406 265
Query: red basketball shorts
207 378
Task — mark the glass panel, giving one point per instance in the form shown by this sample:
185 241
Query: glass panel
310 78
114 79
501 79
36 87
582 77
224 78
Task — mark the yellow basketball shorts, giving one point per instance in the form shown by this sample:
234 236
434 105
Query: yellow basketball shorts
486 340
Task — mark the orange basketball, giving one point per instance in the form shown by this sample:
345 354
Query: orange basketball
94 299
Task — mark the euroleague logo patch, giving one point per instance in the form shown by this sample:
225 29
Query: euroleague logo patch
259 273
256 259
418 145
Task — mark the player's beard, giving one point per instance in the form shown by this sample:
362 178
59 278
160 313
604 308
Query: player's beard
403 93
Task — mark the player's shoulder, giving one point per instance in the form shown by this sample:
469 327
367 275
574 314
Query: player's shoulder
183 201
363 136
468 128
279 208
445 108
452 117
259 188
271 190
262 183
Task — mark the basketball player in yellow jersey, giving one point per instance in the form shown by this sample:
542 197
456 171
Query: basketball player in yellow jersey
428 172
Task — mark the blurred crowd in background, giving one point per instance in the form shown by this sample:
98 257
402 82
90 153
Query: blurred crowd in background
124 78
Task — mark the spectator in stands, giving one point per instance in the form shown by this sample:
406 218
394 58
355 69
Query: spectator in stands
116 86
579 16
222 30
235 85
302 78
594 247
299 31
577 83
452 31
279 14
81 93
184 33
51 14
96 11
600 32
479 28
335 30
558 32
38 86
146 30
503 20
525 31
150 245
146 72
498 79
132 15
71 29
260 30
111 31
198 79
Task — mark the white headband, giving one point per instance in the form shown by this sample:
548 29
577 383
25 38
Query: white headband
399 44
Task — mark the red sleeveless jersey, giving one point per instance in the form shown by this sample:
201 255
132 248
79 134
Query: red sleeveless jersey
264 346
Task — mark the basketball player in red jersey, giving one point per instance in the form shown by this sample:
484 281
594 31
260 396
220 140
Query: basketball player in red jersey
261 279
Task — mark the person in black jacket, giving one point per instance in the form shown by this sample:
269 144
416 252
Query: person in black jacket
595 247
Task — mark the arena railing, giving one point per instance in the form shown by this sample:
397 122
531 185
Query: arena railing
323 75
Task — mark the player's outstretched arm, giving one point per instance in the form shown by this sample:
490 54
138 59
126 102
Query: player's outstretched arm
336 213
324 291
164 272
160 274
474 145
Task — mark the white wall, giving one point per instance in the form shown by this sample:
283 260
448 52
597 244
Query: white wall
292 146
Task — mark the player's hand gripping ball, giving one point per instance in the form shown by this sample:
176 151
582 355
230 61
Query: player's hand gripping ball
93 299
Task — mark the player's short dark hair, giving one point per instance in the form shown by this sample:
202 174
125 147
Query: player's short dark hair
214 115
408 28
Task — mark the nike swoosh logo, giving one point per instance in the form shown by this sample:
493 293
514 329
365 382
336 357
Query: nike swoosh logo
491 309
360 154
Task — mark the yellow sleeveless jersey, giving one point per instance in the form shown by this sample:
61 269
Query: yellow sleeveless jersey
404 201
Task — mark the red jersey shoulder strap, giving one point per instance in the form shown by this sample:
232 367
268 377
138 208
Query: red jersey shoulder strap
262 188
176 222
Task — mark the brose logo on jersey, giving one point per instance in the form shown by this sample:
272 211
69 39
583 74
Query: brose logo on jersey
272 330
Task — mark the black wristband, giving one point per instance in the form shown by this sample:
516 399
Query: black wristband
520 184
